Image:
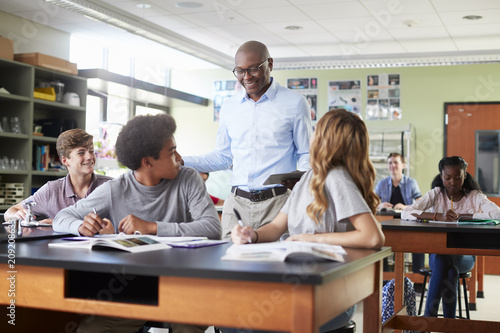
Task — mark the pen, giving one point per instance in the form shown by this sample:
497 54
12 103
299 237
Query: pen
95 211
240 222
451 198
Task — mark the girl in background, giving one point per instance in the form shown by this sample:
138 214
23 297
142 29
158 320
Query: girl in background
455 194
334 201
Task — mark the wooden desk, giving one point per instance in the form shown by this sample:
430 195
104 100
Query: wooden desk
194 286
406 236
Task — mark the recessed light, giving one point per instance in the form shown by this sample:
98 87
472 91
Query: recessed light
189 4
294 27
472 17
143 5
410 23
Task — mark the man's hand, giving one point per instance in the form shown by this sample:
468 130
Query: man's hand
92 224
130 224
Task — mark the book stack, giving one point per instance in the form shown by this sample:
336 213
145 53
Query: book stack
42 157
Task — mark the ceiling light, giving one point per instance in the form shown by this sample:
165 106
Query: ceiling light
103 12
294 27
410 23
472 17
143 5
189 4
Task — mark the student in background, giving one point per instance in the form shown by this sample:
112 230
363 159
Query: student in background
75 148
158 197
264 130
333 202
396 192
454 194
215 200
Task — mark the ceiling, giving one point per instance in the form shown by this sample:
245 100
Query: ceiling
331 30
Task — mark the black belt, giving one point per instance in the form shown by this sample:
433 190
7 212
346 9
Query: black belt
256 196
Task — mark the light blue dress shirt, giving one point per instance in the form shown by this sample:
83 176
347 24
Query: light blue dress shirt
260 138
409 190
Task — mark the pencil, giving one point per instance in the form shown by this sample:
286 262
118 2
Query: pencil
451 198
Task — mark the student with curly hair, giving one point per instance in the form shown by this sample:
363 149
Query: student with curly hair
455 194
157 197
75 148
334 202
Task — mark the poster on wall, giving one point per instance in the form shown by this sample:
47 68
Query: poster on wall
224 90
345 94
383 97
309 88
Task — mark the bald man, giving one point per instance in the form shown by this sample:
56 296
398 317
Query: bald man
264 130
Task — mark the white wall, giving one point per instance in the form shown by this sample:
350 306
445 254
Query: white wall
30 36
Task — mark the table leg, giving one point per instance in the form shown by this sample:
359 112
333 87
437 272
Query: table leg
480 276
398 281
472 289
372 310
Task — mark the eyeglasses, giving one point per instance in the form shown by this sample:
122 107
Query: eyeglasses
252 71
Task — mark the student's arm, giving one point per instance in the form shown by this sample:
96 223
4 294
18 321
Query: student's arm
80 219
302 131
268 233
416 211
15 212
205 220
486 208
368 234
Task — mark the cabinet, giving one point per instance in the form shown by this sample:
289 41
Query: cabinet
20 80
384 141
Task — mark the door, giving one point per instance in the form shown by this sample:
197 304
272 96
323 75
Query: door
462 122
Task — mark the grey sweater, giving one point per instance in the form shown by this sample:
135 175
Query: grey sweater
181 206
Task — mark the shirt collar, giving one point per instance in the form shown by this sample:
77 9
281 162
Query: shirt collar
70 192
269 94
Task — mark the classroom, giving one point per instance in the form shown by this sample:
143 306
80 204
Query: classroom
419 82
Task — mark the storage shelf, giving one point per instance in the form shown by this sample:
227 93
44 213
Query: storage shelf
11 97
13 135
13 172
41 138
49 173
20 80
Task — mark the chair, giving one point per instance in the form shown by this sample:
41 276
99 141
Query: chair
349 328
427 273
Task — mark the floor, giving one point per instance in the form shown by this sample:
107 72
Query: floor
487 307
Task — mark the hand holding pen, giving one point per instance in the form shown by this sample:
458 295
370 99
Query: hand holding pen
241 234
92 224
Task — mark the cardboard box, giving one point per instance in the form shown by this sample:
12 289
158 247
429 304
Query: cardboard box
6 48
43 60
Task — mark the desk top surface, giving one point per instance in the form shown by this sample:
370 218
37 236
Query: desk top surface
404 225
202 262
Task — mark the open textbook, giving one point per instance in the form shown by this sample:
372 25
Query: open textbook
186 241
279 251
132 243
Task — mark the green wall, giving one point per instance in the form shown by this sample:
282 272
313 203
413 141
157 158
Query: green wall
424 90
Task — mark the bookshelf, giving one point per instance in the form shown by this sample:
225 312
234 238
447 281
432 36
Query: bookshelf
19 80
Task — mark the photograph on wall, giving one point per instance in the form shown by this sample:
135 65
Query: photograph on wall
224 90
345 94
383 97
309 88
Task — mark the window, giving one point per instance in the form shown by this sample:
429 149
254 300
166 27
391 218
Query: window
487 161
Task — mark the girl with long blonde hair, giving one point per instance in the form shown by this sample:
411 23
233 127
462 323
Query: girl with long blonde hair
334 201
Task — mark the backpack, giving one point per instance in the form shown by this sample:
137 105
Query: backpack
388 300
